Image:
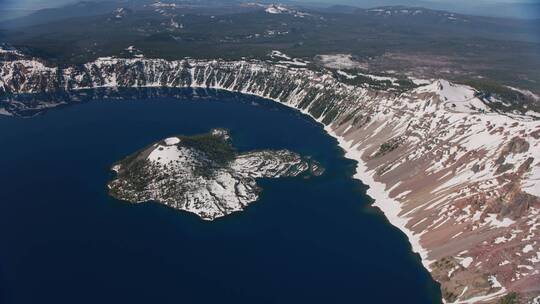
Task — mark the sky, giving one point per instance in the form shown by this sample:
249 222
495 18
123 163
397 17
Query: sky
31 4
512 8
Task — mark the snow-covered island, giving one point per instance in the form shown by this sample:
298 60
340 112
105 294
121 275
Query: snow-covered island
203 174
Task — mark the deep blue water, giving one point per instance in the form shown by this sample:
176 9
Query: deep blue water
63 240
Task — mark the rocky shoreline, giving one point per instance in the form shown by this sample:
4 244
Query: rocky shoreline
459 178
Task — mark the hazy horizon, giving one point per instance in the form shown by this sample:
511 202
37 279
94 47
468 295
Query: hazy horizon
503 8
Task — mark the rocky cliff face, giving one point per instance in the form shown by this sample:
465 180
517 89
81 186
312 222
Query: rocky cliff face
461 180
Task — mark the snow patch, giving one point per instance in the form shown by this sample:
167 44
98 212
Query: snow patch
340 61
494 222
527 248
466 262
166 154
172 141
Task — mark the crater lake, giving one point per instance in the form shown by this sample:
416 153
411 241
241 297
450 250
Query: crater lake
63 239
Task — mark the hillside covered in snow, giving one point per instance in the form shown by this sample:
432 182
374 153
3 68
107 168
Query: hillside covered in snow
202 174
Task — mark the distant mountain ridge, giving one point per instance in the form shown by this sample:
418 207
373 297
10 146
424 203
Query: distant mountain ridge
91 8
520 10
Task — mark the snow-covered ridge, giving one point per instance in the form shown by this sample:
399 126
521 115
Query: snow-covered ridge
451 173
4 51
398 11
160 4
282 9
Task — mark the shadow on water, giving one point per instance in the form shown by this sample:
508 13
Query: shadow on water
64 240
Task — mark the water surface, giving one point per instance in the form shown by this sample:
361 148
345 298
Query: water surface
64 240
